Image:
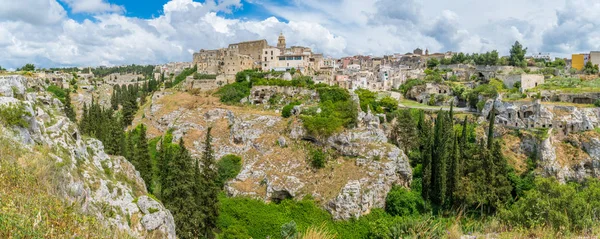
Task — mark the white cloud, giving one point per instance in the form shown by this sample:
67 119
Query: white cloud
577 28
339 27
36 12
93 6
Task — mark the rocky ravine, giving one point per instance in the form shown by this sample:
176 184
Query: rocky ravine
362 170
107 187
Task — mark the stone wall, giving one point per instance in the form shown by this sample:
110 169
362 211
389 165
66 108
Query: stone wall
262 94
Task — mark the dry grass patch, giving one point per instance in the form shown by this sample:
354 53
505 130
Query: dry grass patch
512 151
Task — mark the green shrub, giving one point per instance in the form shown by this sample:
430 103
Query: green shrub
560 206
57 92
13 113
318 158
242 76
234 93
289 230
368 99
228 167
198 76
401 202
332 119
597 103
184 74
286 112
333 94
409 84
235 232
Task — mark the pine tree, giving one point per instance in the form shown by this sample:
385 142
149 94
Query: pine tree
210 189
142 157
68 108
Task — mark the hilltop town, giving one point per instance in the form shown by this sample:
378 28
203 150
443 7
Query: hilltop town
366 146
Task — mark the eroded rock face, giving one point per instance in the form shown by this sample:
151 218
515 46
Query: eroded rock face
358 197
89 177
587 164
523 115
384 165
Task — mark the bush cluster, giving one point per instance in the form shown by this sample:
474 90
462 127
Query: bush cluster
12 114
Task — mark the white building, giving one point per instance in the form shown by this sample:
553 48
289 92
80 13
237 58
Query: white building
543 56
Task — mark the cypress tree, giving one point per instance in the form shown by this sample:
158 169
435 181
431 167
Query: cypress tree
83 124
68 108
210 189
198 214
128 112
165 155
438 160
113 100
500 184
426 151
464 138
142 157
491 126
454 172
178 192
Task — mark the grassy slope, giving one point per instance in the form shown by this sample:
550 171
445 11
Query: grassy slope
28 208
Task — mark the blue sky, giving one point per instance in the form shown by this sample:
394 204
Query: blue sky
117 32
153 8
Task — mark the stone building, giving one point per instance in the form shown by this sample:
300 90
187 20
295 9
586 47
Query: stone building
528 81
281 43
418 51
253 49
209 61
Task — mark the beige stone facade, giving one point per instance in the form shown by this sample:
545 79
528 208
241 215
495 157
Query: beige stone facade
253 49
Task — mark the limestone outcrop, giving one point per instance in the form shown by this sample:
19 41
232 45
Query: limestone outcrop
106 187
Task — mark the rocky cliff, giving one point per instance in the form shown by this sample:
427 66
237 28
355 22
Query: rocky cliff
361 170
106 187
562 139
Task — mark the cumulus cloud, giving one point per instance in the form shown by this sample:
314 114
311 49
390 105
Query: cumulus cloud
112 39
93 6
36 12
576 28
337 28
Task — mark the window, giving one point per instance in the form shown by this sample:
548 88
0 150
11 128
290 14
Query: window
271 58
266 52
282 58
266 58
298 58
271 53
